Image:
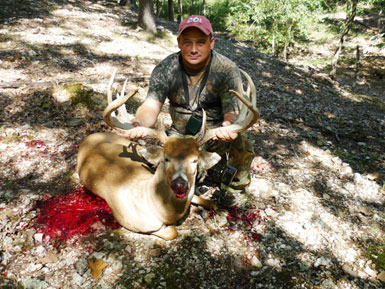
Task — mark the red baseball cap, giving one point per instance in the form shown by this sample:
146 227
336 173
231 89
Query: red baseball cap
197 21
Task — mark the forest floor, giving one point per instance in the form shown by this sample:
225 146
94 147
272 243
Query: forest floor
313 216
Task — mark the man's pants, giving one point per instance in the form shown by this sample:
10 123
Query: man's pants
239 154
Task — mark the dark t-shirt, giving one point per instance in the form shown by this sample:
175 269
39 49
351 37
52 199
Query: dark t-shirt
215 98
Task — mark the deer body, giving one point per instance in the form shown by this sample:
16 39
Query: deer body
113 168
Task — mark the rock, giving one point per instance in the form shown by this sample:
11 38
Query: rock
372 273
38 237
270 212
273 263
81 266
77 279
322 261
220 220
61 95
255 262
328 284
31 283
148 278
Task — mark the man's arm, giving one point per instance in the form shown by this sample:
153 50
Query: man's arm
146 116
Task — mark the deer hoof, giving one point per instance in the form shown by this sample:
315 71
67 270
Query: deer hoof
167 233
207 204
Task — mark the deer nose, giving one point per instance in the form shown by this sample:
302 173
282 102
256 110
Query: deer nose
179 187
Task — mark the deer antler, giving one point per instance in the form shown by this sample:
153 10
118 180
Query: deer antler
247 116
114 122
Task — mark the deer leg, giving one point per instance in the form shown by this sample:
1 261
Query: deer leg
166 232
207 204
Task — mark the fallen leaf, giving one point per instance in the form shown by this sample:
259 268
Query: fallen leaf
49 258
97 266
373 176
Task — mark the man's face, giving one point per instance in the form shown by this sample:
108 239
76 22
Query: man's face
195 47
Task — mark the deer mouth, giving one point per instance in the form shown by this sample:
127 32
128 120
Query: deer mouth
180 188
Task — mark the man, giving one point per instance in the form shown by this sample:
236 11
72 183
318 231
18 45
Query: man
198 77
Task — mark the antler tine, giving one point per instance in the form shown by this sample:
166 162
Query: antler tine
113 105
247 117
122 109
109 88
204 135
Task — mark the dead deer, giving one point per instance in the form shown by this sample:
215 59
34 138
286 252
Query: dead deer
118 169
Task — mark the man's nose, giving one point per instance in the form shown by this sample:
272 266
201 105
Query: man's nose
194 48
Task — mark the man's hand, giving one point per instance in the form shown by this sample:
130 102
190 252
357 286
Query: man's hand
224 134
146 116
137 132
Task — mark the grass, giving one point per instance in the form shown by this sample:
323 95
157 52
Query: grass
160 35
376 253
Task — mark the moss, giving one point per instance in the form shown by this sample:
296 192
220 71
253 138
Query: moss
376 253
11 137
77 94
80 94
160 35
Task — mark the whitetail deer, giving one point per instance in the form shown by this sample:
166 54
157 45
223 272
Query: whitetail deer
140 199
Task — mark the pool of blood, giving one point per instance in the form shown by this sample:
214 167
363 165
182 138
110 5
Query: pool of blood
76 213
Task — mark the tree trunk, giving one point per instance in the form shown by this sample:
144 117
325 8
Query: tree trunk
192 7
180 11
157 7
146 15
203 8
348 24
379 21
133 5
171 10
357 70
287 40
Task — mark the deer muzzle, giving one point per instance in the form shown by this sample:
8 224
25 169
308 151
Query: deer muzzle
180 188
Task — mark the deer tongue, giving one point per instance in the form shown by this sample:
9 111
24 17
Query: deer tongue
180 188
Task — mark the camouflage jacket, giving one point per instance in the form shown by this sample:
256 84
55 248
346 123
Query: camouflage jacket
166 82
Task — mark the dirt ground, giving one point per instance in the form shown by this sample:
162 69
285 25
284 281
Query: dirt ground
313 216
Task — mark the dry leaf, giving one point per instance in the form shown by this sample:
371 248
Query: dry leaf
373 176
49 258
97 266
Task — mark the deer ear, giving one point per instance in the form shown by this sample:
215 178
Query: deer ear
152 154
208 160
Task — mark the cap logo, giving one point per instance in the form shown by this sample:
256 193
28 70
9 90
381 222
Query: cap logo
194 19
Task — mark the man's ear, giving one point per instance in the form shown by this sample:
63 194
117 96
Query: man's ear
212 42
152 154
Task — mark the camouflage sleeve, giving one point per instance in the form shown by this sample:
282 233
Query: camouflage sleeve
158 88
233 82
